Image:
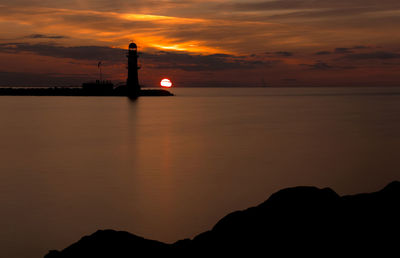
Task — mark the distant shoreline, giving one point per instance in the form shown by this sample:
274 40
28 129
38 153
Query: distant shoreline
69 91
212 86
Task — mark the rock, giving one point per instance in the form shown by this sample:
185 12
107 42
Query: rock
294 221
110 243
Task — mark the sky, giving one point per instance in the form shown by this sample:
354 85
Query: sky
202 42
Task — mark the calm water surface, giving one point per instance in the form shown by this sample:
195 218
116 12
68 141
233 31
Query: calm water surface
169 168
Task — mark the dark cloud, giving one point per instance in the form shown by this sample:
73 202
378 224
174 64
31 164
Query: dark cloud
333 12
349 50
323 53
319 65
162 59
189 62
77 53
102 5
373 55
343 50
284 53
324 66
314 4
41 36
279 54
361 47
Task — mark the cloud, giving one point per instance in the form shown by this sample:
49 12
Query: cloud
278 54
348 50
190 62
199 27
104 5
362 47
324 66
41 36
158 60
373 55
343 50
320 53
336 16
319 65
77 53
360 5
283 53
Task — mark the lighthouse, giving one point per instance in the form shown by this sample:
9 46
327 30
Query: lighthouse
133 79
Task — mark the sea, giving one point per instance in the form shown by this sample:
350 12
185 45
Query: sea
168 168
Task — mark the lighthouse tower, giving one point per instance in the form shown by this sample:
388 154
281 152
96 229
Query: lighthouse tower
133 80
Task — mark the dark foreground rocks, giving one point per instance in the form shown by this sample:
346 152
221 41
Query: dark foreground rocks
300 221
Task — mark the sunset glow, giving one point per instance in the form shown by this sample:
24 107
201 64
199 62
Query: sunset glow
207 42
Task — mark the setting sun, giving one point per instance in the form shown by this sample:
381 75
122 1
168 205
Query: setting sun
166 83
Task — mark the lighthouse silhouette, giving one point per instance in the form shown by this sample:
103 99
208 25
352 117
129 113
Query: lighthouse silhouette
133 79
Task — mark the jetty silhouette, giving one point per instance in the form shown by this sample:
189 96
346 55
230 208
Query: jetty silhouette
299 221
132 89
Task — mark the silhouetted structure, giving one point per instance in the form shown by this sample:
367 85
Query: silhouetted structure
133 79
120 91
294 222
98 86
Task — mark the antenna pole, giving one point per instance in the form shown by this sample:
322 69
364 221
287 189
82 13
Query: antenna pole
99 66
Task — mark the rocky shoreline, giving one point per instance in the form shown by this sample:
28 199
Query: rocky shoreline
294 221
